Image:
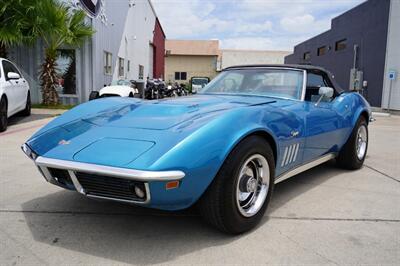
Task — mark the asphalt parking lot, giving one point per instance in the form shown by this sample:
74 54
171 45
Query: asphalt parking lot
323 216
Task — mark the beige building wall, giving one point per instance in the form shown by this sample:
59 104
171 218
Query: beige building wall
193 65
248 57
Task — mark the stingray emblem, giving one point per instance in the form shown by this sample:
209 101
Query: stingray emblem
91 6
64 142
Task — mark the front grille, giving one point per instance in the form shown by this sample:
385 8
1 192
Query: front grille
110 187
61 176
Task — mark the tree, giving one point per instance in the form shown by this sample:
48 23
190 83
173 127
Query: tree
17 23
57 26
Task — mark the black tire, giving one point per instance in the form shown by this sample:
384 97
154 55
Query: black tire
27 110
219 206
3 115
348 156
131 95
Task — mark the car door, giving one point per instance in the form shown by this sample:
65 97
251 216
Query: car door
10 88
323 123
20 88
291 134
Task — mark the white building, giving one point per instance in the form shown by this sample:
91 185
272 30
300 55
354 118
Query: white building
391 81
128 44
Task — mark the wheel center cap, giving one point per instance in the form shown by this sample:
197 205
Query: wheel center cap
251 185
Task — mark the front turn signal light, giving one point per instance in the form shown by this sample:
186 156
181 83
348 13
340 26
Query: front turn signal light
172 185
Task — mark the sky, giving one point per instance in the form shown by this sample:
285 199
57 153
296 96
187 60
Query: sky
249 24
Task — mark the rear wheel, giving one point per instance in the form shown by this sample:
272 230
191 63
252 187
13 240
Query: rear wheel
28 105
3 115
238 197
353 153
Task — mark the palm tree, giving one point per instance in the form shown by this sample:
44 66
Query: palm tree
16 23
57 25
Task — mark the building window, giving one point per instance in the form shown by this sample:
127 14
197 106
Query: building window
321 50
141 72
307 56
128 66
107 63
66 71
340 45
180 75
121 70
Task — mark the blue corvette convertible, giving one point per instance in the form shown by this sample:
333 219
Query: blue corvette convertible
224 148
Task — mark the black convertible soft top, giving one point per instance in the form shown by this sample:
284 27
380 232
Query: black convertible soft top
309 68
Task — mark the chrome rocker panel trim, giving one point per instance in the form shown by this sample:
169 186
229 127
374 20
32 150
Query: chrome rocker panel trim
305 167
126 173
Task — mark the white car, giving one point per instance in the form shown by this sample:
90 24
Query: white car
198 83
14 93
122 88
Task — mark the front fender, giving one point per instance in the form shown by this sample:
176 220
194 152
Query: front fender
201 154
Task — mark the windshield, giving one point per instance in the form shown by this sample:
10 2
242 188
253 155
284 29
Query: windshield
199 81
121 82
284 83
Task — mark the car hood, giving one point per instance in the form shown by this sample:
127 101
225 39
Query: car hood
121 134
168 113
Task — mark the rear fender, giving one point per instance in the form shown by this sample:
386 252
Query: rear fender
357 106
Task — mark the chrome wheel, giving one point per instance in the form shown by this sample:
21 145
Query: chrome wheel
361 142
252 185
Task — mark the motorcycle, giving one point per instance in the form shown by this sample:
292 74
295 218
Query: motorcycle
182 91
155 89
171 91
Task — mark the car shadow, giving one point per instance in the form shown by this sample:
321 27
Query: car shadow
131 234
18 119
297 185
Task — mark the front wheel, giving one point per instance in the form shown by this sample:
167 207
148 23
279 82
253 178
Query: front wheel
353 153
239 195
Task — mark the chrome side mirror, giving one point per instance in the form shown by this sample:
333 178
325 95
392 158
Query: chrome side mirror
324 92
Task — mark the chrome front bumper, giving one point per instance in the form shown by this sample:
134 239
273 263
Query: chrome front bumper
126 173
45 164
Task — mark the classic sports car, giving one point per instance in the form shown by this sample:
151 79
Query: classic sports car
224 148
118 88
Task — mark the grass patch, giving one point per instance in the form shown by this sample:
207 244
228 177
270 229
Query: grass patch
58 106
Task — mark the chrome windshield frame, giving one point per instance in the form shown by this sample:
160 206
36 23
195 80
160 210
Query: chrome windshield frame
303 88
